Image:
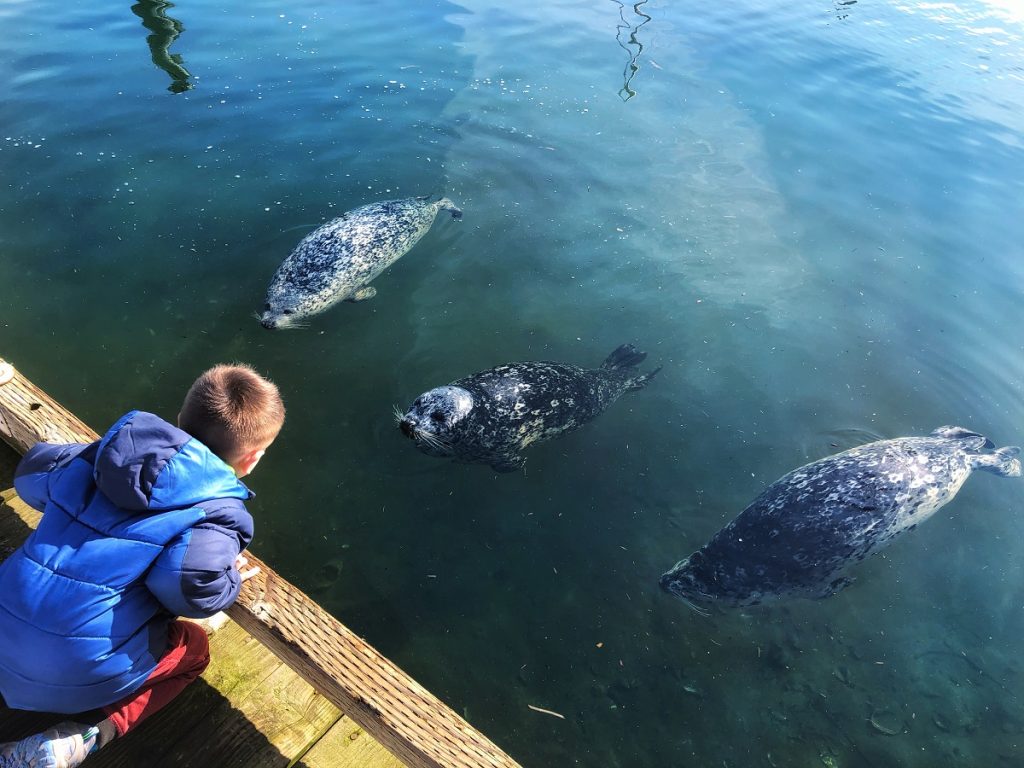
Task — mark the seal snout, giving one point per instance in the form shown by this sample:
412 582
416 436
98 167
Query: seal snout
268 322
407 427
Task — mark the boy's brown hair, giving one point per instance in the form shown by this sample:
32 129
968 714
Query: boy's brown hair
232 409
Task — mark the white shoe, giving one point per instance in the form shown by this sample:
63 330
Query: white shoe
64 746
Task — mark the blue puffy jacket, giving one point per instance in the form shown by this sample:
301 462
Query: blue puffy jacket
137 528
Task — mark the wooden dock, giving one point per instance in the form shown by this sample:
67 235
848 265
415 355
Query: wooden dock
288 684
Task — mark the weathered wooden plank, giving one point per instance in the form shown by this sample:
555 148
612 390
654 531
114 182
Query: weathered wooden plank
279 720
347 745
9 459
239 666
29 416
392 707
401 714
16 520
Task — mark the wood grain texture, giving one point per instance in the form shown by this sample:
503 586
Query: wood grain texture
347 745
392 707
29 416
418 728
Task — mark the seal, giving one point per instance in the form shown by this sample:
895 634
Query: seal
337 261
799 537
491 416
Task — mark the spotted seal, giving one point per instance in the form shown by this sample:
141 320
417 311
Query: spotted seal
337 261
800 535
491 416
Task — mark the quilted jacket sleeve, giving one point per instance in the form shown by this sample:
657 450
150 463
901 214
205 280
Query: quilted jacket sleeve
32 477
195 575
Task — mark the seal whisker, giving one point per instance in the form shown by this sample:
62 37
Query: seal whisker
428 438
434 441
397 413
441 442
694 607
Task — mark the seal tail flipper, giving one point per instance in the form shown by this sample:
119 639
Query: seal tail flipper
1003 462
444 204
973 439
625 356
641 381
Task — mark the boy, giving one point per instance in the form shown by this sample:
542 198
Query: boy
144 525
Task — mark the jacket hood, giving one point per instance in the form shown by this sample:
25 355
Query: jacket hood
143 462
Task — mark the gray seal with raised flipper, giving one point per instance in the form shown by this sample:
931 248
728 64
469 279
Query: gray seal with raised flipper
801 535
337 261
491 416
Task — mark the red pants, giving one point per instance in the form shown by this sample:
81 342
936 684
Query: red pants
188 654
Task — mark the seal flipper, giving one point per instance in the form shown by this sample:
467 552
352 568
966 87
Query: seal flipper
445 204
835 586
1003 462
625 356
509 463
641 381
971 439
363 294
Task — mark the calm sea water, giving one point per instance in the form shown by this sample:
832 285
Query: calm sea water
808 213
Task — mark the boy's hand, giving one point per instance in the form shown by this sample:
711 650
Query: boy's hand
240 562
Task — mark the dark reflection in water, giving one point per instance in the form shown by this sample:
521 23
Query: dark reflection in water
165 31
842 8
633 46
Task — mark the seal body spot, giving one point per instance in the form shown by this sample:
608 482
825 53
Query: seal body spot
491 416
337 261
802 533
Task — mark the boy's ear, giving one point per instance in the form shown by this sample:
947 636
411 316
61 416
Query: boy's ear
248 462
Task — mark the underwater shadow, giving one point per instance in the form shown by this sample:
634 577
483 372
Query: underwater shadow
165 30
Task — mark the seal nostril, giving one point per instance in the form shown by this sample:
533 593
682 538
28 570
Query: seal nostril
406 427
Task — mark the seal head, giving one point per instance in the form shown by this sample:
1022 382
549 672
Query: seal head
689 579
434 419
278 314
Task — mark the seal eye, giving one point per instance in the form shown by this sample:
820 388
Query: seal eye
437 416
287 312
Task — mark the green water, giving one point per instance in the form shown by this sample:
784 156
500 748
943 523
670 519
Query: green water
808 213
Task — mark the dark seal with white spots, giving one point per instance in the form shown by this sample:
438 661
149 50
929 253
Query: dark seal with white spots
337 261
800 536
491 416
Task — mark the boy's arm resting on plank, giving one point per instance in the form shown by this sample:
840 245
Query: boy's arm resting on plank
34 473
196 575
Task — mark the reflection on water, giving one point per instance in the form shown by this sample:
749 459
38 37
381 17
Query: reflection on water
843 8
632 46
165 31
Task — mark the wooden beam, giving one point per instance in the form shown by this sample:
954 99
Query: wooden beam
29 416
418 728
346 745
